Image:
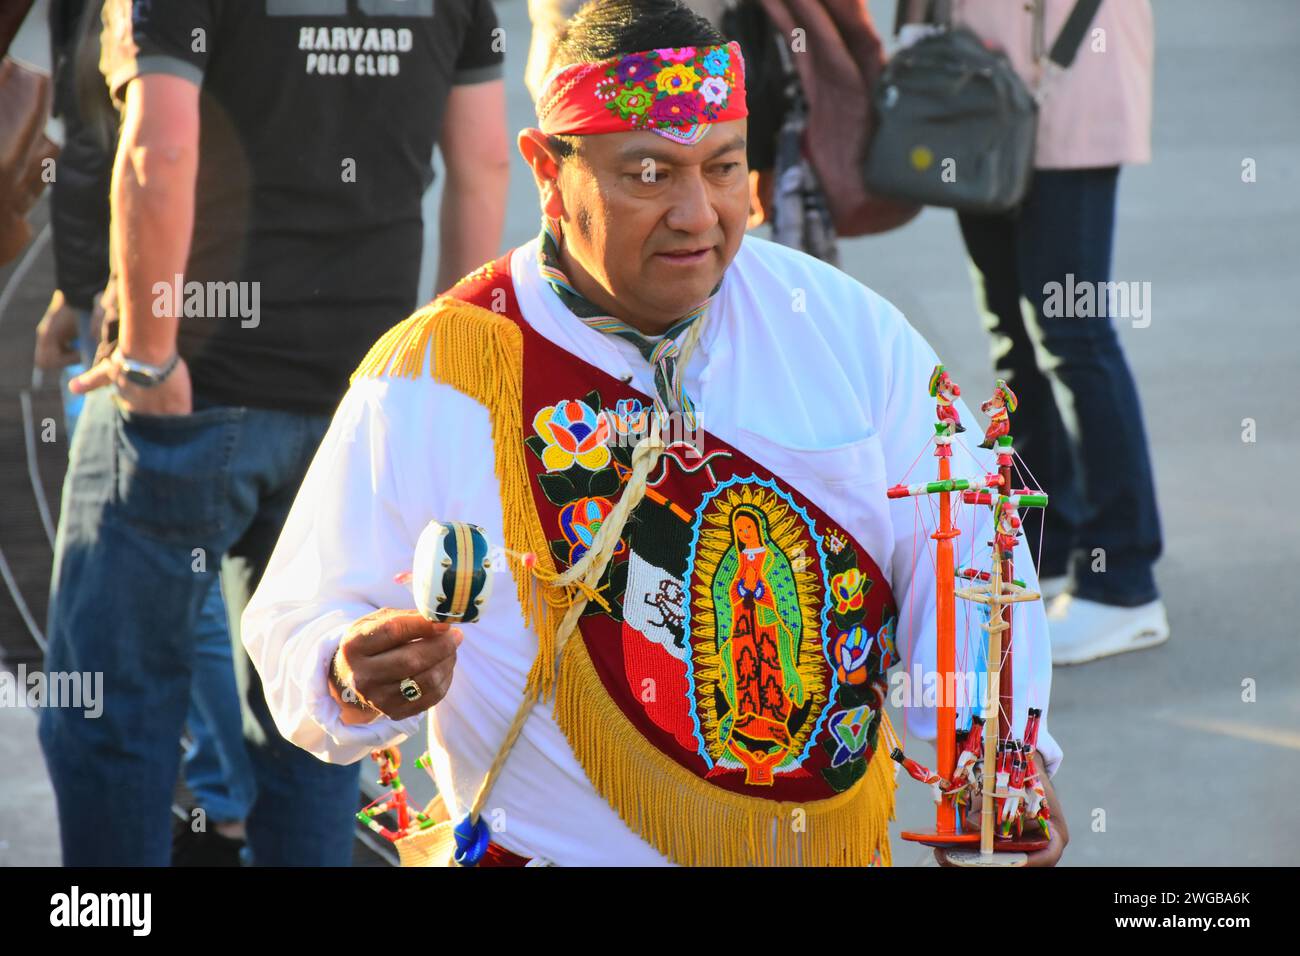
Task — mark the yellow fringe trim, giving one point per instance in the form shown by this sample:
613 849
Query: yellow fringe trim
480 353
689 820
693 822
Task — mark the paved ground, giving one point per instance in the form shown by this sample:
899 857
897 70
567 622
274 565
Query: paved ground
1185 771
28 825
1165 761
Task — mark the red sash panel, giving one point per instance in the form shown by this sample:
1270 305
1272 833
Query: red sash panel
748 636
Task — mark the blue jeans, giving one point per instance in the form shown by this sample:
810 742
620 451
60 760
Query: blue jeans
1079 421
151 504
217 767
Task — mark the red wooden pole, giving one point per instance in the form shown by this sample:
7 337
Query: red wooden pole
946 649
1005 696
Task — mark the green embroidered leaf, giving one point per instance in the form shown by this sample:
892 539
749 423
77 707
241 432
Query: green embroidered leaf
622 453
838 777
612 585
848 620
857 770
592 400
579 477
536 444
853 695
618 580
604 483
558 487
560 551
846 775
839 563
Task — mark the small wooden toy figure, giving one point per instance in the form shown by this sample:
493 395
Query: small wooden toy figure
921 773
945 391
1007 530
968 760
1012 809
1036 807
997 407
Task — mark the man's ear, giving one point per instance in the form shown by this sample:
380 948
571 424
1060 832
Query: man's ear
535 147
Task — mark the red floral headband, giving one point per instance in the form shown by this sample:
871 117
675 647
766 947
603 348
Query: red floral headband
677 93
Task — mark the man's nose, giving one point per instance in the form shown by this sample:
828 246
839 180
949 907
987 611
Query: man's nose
692 209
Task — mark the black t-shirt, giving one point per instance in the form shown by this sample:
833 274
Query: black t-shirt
318 120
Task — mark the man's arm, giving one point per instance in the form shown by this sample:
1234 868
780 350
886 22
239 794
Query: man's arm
475 150
368 494
153 217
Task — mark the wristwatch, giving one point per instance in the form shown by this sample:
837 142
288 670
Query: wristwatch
144 374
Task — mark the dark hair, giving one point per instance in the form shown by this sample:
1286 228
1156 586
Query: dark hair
608 28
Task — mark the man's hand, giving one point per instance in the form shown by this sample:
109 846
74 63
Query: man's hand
1050 855
55 334
175 396
381 650
103 319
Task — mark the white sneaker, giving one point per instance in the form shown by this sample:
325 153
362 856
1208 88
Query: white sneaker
1051 587
1083 630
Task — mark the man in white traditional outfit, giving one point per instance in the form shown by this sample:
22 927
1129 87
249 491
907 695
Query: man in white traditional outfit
735 598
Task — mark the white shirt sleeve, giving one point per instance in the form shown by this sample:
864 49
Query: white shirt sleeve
352 527
910 417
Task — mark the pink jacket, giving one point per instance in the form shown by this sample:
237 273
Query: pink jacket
1098 113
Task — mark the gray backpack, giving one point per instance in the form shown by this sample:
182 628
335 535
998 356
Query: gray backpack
955 124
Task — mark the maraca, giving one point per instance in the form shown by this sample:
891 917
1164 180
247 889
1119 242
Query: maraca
450 578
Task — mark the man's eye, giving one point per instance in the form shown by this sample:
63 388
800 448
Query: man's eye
726 169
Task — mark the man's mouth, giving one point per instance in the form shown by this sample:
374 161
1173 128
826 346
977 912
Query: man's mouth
685 256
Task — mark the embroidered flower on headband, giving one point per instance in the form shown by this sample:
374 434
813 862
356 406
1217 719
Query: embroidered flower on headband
677 55
634 68
677 79
675 92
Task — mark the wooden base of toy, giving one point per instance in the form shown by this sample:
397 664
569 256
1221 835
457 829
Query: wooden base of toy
1022 845
971 839
940 840
974 858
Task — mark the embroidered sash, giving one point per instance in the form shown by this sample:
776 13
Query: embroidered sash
728 704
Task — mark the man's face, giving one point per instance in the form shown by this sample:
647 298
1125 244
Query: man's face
654 223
